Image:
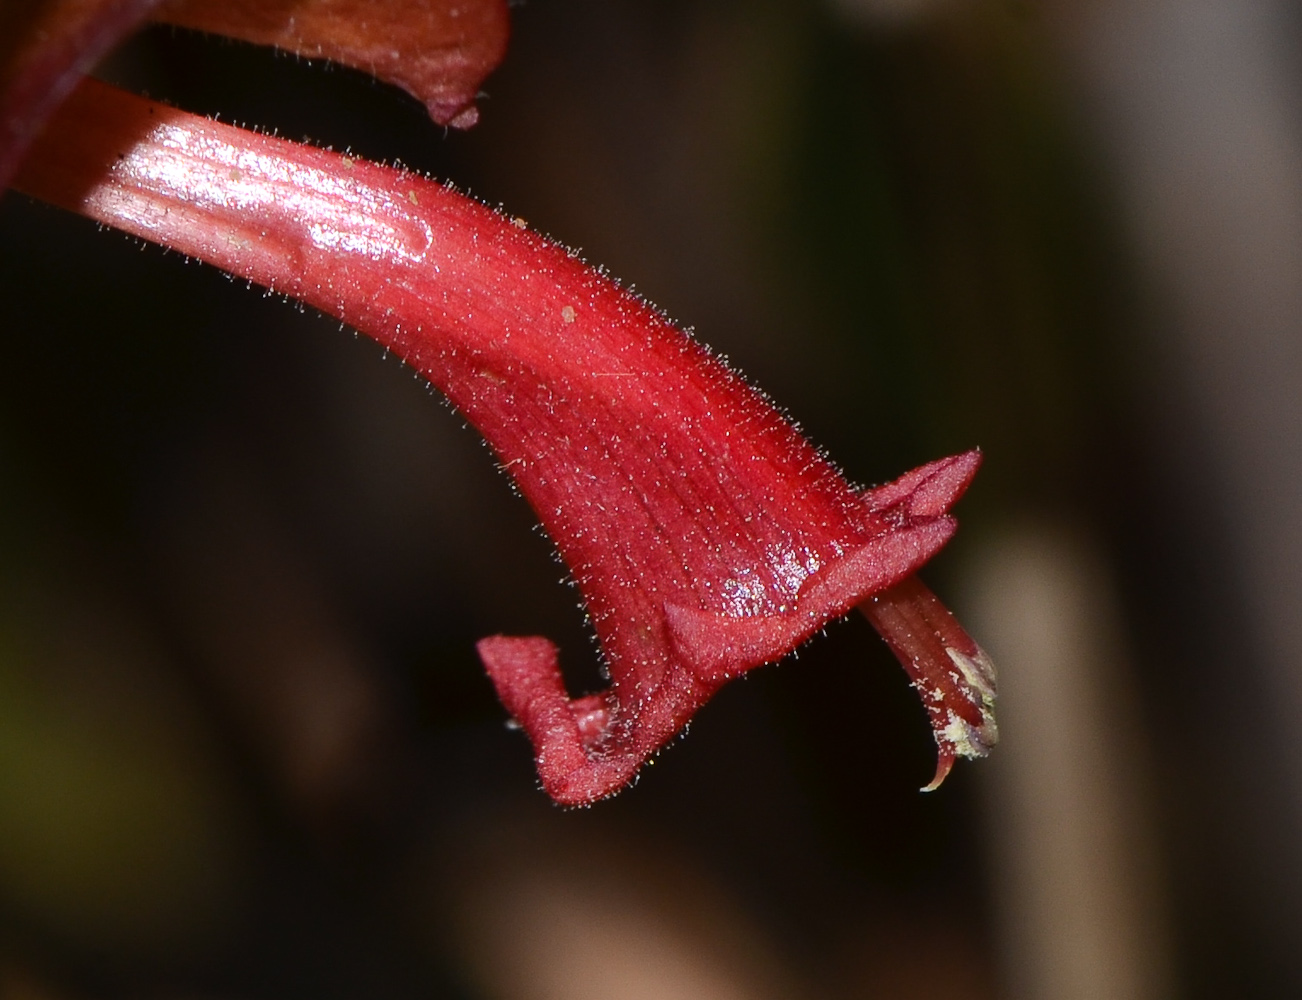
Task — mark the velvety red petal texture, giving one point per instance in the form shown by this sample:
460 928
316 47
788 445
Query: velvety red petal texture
45 48
438 50
706 534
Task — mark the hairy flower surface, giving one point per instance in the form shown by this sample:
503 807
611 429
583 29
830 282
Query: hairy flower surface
707 536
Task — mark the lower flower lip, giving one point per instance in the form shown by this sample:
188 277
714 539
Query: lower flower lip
718 647
580 762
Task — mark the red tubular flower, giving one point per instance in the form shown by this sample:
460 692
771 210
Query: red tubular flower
706 535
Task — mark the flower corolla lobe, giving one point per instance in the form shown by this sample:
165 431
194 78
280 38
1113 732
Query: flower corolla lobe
671 642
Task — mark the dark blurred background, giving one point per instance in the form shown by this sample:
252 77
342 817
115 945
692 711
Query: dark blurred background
247 751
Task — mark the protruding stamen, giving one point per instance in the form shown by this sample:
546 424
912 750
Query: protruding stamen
951 673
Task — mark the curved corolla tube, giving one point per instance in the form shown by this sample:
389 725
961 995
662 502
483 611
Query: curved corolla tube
706 535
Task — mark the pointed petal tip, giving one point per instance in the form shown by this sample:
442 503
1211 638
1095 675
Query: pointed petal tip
929 490
944 764
959 738
946 481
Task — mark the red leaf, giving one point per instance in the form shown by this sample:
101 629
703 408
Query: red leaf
706 534
438 50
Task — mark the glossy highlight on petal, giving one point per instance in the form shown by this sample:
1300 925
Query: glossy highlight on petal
706 534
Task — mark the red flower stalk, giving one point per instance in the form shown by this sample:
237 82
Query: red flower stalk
706 535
